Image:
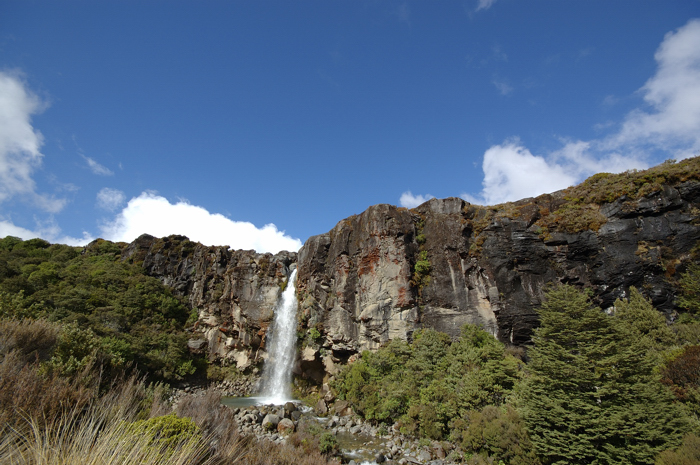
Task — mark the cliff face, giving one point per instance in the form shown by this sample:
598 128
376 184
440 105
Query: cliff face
234 292
389 271
365 282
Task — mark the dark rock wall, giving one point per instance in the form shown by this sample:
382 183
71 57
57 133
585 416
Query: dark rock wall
389 271
488 265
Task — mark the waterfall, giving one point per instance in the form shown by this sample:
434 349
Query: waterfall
281 347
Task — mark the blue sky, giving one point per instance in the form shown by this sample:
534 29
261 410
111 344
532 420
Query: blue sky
259 124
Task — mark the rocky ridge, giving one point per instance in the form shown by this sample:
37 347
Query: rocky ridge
389 271
361 283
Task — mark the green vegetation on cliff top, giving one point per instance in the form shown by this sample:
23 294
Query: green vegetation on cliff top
577 208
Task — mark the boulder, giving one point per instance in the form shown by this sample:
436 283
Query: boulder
437 450
270 421
342 408
308 354
285 427
321 408
197 345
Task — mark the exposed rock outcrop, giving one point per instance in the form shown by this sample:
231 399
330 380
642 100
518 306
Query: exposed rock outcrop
389 271
386 272
234 292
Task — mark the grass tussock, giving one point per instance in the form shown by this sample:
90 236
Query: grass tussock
27 392
32 340
52 419
98 430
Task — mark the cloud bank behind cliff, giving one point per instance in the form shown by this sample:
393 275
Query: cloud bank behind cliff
666 125
155 215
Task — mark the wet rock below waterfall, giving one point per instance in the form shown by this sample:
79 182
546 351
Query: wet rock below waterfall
359 440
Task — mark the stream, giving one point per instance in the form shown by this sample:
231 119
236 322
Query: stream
359 441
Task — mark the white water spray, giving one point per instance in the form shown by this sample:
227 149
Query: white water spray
277 375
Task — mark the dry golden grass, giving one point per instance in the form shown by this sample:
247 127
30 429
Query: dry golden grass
49 420
97 439
25 392
85 419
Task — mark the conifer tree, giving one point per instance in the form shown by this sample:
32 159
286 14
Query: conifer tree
592 396
640 320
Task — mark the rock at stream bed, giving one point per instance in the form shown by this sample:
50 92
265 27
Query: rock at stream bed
285 427
270 421
342 408
321 408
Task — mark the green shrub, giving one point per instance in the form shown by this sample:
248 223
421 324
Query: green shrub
687 454
166 431
421 271
690 289
427 384
422 264
328 443
126 318
314 334
592 394
216 372
76 348
498 434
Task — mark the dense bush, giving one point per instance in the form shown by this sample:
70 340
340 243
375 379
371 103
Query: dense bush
433 386
498 432
328 443
592 394
111 313
687 454
443 389
166 431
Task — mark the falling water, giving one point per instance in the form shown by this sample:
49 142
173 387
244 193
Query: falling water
277 375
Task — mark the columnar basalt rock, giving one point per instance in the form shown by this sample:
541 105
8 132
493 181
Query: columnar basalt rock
487 265
389 271
361 282
234 292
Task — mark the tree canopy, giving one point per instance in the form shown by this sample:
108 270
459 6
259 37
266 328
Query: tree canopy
592 394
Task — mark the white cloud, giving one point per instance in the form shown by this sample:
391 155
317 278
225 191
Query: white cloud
155 215
48 231
96 168
485 4
511 172
110 199
409 200
673 93
9 229
503 87
670 126
20 143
